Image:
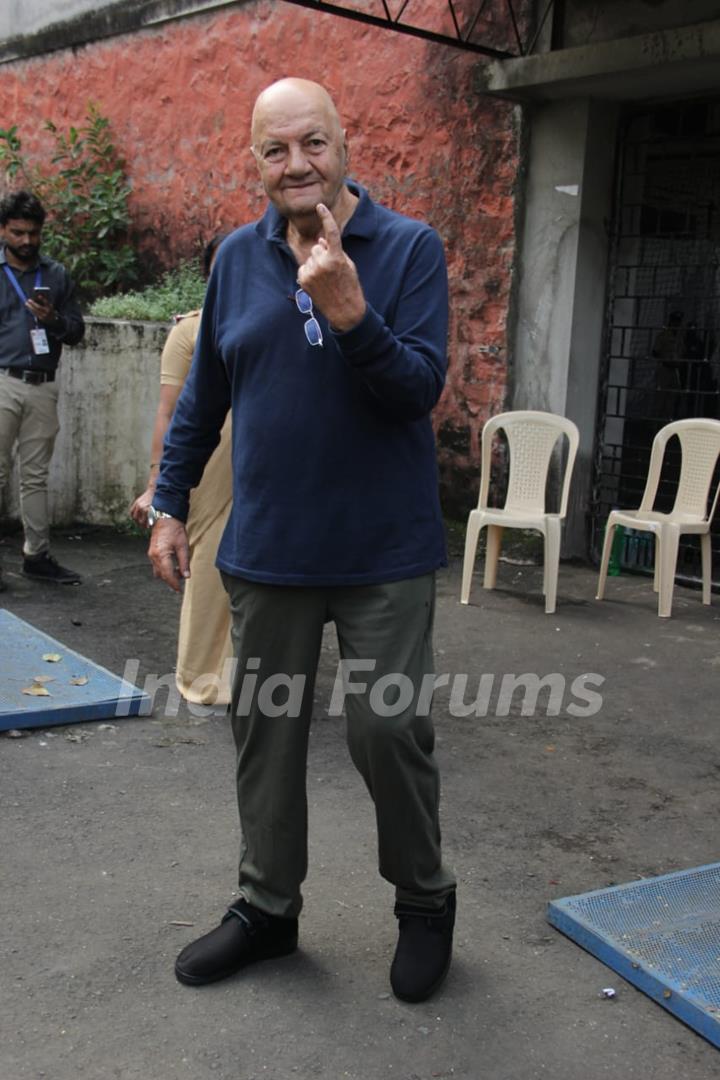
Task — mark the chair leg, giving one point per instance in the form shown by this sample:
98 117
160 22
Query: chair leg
706 551
552 563
471 542
669 541
605 560
656 563
492 553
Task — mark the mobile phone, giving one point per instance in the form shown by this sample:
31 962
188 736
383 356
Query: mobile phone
41 292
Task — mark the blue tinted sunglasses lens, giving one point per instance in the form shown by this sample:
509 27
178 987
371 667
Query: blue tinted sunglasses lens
313 332
312 327
303 302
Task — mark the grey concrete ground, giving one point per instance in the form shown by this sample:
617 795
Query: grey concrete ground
119 845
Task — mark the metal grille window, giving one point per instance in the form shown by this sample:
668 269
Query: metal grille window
662 359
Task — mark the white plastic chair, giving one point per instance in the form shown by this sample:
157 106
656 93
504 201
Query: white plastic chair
531 437
700 447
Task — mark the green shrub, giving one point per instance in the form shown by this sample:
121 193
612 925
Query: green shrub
178 291
86 197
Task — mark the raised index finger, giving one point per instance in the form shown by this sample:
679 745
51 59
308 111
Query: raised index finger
330 231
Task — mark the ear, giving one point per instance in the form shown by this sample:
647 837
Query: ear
346 148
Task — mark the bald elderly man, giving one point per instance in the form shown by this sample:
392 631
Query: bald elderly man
324 331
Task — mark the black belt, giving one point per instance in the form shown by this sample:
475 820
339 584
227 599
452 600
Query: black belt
29 375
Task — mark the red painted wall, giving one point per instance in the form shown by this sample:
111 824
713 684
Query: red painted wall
179 100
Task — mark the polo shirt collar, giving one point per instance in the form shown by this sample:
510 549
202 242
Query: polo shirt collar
273 225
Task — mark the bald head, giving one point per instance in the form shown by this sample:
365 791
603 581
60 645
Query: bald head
290 97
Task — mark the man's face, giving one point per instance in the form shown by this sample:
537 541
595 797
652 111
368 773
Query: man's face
301 153
22 239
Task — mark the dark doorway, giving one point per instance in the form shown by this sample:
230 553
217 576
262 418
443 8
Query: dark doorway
662 356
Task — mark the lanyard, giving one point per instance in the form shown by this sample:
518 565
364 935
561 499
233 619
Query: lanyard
20 291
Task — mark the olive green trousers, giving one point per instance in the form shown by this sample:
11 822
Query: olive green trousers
384 635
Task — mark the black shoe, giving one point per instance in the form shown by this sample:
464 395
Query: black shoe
244 936
424 950
44 568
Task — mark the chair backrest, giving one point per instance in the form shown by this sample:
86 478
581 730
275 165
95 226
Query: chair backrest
700 447
531 437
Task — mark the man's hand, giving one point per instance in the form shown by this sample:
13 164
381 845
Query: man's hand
140 507
330 278
169 552
43 310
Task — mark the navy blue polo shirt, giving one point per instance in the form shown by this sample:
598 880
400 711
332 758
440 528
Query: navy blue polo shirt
334 464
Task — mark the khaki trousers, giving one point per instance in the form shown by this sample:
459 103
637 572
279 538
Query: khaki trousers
203 668
382 630
29 418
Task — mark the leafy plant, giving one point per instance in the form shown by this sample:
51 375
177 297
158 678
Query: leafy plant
86 197
179 290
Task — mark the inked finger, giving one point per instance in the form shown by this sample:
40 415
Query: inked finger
330 231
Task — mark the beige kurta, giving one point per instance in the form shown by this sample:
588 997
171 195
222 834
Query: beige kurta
204 647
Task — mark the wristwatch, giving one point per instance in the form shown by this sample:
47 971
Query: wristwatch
154 515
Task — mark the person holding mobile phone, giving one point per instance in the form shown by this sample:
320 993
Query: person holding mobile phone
38 315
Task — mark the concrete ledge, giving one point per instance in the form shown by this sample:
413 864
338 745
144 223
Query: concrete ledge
125 17
664 63
109 387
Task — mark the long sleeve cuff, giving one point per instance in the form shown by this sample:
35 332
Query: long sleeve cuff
176 505
357 344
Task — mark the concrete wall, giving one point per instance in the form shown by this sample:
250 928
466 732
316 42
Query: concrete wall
109 389
588 22
574 97
28 16
36 27
562 278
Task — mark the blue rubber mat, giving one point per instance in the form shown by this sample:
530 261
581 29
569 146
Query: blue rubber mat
661 934
75 689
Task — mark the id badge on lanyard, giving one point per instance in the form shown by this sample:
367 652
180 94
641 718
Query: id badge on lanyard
40 344
38 337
